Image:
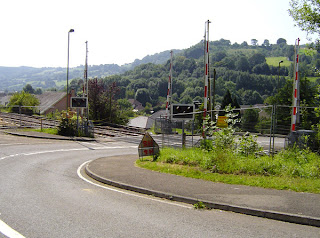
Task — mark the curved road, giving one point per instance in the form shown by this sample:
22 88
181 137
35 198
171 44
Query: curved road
44 193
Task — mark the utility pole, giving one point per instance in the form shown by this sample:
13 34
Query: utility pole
85 86
169 92
86 81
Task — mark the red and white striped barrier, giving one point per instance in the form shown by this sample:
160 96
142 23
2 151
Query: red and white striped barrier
295 88
206 78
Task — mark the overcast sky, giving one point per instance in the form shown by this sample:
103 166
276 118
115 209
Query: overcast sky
35 32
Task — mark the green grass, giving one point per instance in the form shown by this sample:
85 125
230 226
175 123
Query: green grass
274 61
60 83
44 130
312 79
290 170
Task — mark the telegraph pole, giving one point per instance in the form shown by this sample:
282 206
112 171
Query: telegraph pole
85 87
169 92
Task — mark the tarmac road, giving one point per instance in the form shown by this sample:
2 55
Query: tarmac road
43 193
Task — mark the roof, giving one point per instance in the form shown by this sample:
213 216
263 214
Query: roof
49 99
141 121
5 100
136 104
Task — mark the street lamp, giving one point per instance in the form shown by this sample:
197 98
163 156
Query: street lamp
275 109
279 73
71 30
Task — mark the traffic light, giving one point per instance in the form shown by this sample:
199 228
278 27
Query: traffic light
182 111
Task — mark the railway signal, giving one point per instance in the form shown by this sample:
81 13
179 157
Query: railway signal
182 112
79 102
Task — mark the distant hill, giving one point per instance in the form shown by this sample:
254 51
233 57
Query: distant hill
15 78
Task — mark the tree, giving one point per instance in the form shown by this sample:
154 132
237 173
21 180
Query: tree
281 41
95 97
142 95
306 13
266 43
254 42
244 44
249 119
38 91
257 58
103 102
25 101
261 69
242 64
228 101
28 89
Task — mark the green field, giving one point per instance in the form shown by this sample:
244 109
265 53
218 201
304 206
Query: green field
274 61
60 83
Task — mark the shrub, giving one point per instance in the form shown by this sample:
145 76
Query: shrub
67 127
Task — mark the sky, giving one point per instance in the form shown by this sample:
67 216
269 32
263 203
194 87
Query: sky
35 32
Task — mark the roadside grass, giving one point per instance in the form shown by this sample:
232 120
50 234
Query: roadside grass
274 61
296 170
52 131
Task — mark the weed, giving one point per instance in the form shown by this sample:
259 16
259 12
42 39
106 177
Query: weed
199 205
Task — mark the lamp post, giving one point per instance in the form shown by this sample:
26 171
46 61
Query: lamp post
71 30
279 74
275 109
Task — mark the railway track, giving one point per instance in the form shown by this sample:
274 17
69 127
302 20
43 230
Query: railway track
14 120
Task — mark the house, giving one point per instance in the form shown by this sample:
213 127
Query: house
4 100
146 122
137 106
52 101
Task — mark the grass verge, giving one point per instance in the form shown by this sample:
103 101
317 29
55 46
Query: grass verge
284 172
44 130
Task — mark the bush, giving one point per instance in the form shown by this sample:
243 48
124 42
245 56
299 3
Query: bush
248 145
67 127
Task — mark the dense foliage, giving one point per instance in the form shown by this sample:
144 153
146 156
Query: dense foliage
251 74
306 14
23 102
241 69
104 105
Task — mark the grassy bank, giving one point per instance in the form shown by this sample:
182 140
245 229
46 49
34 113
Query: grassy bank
297 170
52 131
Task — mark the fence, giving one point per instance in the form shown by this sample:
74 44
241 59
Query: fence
265 121
29 116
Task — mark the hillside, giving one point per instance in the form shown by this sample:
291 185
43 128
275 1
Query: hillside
15 78
250 72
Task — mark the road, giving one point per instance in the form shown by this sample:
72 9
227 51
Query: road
176 141
44 193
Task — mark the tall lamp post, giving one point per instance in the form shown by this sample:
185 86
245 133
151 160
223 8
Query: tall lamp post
279 74
275 109
71 30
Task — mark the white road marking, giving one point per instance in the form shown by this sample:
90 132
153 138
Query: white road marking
66 150
8 231
124 192
11 233
25 143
